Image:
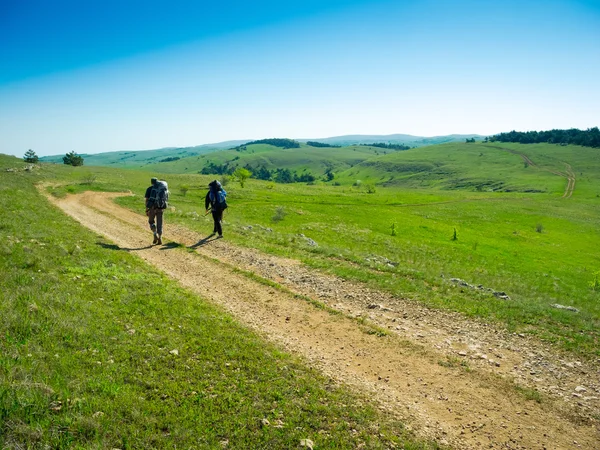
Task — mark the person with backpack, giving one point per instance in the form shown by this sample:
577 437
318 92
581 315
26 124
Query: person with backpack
157 196
216 200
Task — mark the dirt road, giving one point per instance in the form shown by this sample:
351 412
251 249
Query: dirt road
449 378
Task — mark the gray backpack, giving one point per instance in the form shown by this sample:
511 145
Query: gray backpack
159 195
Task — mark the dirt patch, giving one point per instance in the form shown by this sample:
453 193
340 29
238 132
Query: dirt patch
449 378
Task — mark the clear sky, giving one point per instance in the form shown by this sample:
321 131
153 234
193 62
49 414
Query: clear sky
96 76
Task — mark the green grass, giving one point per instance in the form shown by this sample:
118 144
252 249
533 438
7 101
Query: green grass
87 340
498 243
312 159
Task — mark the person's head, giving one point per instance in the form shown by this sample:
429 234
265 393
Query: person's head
153 180
214 184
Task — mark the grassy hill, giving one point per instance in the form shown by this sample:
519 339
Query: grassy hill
480 166
143 158
306 158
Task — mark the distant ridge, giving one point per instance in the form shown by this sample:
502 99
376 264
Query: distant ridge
406 139
135 157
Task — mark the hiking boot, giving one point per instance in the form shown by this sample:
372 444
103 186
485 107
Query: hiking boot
159 241
155 239
219 236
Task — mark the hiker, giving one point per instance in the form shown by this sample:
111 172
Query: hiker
216 200
156 196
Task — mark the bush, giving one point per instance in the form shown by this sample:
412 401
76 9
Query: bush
279 214
88 178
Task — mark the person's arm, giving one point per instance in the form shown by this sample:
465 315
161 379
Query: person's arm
146 196
206 201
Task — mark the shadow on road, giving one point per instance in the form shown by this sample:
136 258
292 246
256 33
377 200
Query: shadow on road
208 239
116 247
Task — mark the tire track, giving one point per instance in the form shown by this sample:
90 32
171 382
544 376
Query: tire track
568 173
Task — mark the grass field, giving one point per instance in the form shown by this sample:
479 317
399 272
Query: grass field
75 374
523 239
99 350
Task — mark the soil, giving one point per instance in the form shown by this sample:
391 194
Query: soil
465 383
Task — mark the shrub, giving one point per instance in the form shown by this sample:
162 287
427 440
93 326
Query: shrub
184 188
279 214
88 178
539 228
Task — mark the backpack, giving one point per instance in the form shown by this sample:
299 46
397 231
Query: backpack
159 195
218 202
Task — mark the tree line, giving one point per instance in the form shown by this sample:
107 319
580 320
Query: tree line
276 142
388 146
260 173
573 136
321 144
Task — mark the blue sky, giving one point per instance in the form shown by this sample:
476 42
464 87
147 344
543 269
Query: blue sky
91 76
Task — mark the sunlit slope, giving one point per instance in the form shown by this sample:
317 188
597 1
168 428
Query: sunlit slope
483 167
313 159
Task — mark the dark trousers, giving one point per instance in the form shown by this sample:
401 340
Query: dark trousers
156 213
217 218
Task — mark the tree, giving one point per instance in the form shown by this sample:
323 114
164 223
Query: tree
30 157
73 159
242 175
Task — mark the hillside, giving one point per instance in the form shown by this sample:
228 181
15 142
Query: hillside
500 167
141 158
315 160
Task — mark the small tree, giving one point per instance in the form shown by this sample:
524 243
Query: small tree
30 157
242 174
73 159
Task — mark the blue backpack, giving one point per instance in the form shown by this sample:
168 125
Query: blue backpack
218 202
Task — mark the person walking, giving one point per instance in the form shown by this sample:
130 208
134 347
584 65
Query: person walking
216 200
156 197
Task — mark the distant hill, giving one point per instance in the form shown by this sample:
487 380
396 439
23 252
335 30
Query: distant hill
406 139
142 158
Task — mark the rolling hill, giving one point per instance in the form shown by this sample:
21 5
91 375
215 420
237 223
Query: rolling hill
141 158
